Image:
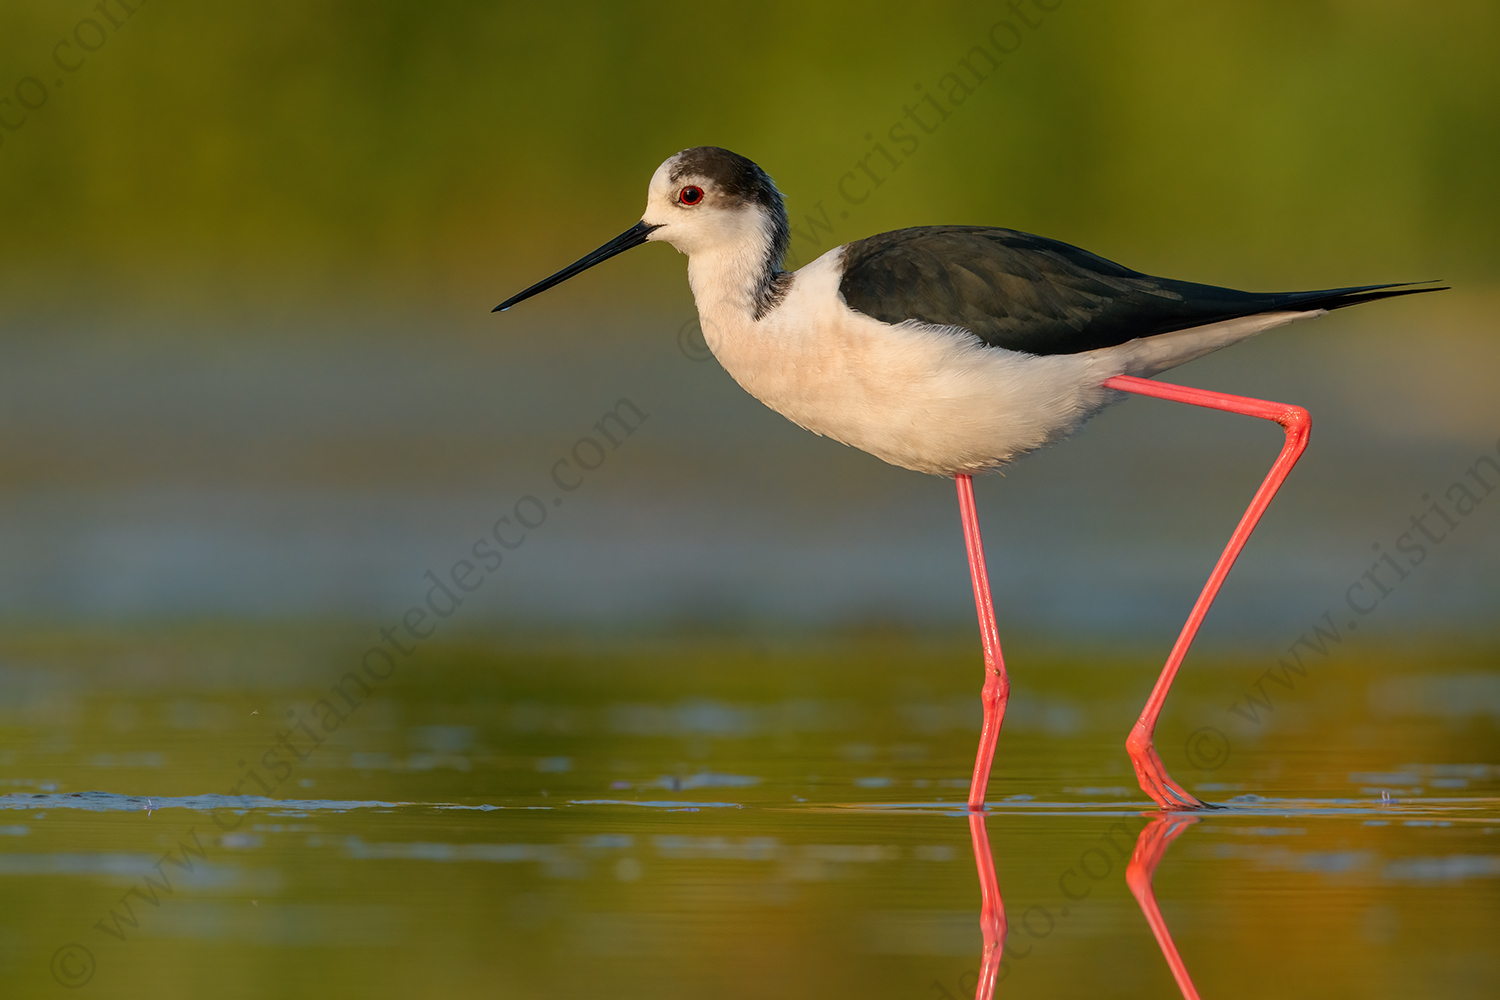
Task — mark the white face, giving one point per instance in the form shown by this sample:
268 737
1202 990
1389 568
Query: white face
697 216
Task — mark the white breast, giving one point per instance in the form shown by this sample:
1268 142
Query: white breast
929 398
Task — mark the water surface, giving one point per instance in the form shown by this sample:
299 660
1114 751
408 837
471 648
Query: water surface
729 818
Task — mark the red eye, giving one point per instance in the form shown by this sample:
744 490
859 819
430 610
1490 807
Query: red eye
690 195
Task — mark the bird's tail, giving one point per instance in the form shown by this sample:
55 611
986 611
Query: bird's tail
1338 298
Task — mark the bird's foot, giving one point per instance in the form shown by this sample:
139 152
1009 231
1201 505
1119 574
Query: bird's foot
1154 779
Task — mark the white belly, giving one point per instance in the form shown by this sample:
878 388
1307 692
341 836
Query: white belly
933 399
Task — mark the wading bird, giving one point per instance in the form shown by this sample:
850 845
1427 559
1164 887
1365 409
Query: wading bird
953 350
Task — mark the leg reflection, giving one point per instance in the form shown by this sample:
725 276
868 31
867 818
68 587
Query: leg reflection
991 910
1150 847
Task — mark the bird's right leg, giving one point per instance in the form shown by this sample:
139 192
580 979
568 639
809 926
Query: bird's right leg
1149 769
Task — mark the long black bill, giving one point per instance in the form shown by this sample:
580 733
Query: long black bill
632 237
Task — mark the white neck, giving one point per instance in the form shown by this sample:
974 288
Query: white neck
729 263
727 280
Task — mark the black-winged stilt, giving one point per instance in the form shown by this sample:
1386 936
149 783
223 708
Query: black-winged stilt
954 350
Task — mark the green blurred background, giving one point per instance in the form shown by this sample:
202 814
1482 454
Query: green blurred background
236 157
247 364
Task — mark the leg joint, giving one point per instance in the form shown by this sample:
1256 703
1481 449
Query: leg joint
1297 423
1296 420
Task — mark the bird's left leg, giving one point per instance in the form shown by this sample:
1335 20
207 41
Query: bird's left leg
1153 776
996 690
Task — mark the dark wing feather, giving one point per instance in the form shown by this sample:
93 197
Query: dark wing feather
1028 293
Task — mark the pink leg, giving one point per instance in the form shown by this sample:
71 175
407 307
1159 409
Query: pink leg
1150 847
996 685
1153 776
991 912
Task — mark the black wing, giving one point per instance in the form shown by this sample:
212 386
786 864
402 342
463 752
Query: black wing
1028 293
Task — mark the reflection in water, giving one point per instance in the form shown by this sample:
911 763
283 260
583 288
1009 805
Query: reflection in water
1150 847
991 909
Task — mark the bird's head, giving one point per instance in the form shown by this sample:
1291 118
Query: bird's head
706 198
701 200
